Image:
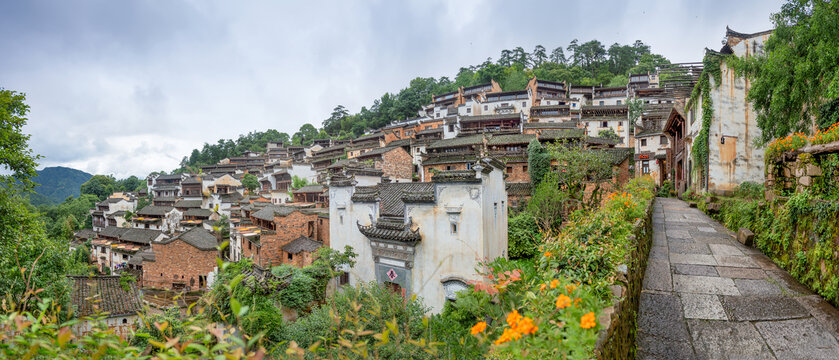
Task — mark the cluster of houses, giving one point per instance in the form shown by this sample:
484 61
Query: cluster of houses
423 200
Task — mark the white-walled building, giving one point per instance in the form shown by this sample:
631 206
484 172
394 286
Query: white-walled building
422 238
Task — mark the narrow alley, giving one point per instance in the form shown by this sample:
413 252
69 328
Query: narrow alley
706 296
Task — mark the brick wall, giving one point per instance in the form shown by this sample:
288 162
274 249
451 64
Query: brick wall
517 172
396 164
178 262
288 228
323 231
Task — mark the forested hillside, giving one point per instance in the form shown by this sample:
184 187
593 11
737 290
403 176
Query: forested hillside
590 63
56 184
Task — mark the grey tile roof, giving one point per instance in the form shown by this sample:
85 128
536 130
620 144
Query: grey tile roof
198 212
267 213
377 151
198 237
511 139
518 188
188 204
550 135
169 177
85 234
372 136
458 141
547 125
191 181
113 232
392 196
155 210
455 176
302 243
490 117
390 228
310 189
104 294
140 236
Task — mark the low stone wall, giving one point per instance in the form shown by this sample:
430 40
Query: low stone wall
616 339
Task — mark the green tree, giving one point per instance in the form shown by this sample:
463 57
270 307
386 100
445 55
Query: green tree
799 73
29 260
538 162
16 158
250 182
298 182
101 186
608 134
539 55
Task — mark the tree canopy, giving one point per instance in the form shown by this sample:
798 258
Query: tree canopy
795 84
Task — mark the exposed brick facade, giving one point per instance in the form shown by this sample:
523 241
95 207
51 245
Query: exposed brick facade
267 251
517 172
396 164
178 265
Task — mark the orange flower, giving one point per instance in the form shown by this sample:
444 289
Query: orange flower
587 321
479 327
508 335
547 254
570 287
577 302
563 301
525 326
554 283
513 318
542 287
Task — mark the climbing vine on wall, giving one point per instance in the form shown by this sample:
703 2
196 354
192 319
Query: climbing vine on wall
711 67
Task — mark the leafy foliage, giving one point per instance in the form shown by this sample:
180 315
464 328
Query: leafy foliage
538 162
250 182
16 157
796 84
225 148
608 134
523 236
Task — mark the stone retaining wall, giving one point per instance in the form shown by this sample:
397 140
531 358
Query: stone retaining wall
616 339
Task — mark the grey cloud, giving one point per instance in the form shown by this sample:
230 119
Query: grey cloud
154 80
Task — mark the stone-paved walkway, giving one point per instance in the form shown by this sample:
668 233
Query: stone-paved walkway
706 296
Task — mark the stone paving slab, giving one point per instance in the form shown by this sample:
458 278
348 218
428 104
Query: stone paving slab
822 311
736 261
702 306
660 315
757 287
657 276
799 339
727 340
741 273
725 250
788 283
690 248
704 285
752 308
707 296
764 262
688 269
659 252
692 259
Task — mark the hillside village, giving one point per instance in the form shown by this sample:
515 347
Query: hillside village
400 196
554 220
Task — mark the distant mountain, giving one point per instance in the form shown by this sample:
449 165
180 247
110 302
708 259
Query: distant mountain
56 184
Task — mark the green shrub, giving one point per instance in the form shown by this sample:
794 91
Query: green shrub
523 237
665 189
749 190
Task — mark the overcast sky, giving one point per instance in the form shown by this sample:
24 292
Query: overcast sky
130 87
